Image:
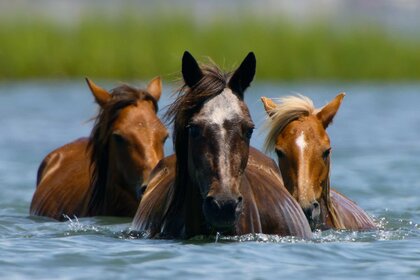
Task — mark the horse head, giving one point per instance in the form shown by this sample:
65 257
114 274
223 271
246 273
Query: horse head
212 130
127 139
297 133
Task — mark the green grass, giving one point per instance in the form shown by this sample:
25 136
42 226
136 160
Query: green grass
136 47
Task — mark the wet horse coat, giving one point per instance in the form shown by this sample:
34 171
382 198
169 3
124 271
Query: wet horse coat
297 133
103 174
215 181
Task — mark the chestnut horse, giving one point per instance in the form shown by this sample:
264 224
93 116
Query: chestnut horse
215 181
103 174
297 133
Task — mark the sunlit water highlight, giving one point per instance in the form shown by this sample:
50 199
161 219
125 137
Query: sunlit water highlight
376 148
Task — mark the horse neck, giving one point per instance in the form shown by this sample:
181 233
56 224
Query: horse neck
330 216
113 187
194 217
186 204
108 197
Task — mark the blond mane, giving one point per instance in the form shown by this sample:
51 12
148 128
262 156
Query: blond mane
288 109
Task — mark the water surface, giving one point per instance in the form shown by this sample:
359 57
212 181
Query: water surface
375 161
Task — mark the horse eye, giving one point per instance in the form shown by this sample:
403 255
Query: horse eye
165 138
194 130
326 153
248 132
118 138
280 153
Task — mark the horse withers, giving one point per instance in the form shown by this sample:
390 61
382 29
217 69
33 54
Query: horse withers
215 182
103 174
297 133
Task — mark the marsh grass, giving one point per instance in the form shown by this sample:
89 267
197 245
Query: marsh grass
140 47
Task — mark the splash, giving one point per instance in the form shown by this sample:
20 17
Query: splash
76 227
217 237
133 234
387 229
106 226
262 238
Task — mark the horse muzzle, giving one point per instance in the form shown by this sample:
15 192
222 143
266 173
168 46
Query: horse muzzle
313 214
222 213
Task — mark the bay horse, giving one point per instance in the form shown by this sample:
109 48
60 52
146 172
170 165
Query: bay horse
215 181
103 174
297 133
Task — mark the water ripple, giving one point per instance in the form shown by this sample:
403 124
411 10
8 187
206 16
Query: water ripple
375 138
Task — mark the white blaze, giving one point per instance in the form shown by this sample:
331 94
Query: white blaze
301 142
216 111
302 169
224 106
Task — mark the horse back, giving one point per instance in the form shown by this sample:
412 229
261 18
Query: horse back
63 182
352 216
266 199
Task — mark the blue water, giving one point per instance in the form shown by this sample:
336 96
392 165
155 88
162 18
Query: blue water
375 161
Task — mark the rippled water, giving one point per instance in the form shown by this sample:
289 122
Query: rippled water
376 162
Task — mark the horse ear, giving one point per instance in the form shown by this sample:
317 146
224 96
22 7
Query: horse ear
327 113
191 72
155 88
101 95
269 105
244 75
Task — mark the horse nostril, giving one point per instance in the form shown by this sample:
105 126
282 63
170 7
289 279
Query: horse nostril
222 211
308 213
212 202
316 210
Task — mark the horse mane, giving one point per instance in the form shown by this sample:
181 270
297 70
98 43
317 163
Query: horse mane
98 145
188 102
288 109
331 209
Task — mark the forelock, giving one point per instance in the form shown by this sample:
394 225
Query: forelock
288 109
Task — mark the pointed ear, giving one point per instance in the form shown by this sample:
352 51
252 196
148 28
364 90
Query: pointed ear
101 95
269 105
327 113
155 88
244 75
191 72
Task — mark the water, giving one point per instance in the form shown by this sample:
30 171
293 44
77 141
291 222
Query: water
375 161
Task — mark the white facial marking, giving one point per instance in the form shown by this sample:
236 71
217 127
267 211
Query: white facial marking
303 168
301 142
216 111
224 106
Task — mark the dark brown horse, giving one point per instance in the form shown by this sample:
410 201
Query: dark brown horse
215 181
297 133
103 174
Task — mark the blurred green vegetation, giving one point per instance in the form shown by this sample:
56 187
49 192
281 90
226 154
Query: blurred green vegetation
140 47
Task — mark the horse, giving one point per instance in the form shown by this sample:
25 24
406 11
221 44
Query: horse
297 134
215 182
103 175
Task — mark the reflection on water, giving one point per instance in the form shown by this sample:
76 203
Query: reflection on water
375 161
